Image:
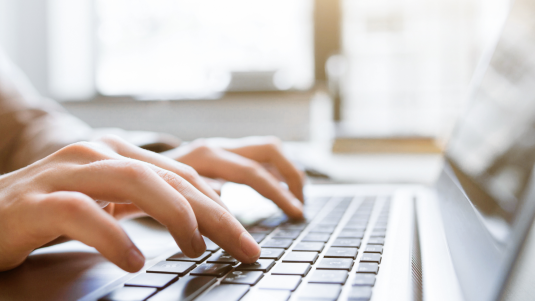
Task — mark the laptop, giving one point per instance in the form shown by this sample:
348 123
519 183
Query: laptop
459 239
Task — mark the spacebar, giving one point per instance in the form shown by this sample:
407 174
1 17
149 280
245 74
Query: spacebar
185 289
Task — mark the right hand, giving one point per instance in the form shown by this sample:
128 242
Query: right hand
56 197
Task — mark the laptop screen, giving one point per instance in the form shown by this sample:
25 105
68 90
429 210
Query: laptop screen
493 148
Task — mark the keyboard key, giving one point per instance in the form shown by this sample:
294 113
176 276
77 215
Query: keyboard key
309 246
351 234
336 264
222 257
364 279
322 237
342 252
360 293
380 227
181 257
187 288
278 243
371 257
243 277
260 229
329 223
227 292
376 241
210 245
267 295
308 257
258 237
129 293
347 242
172 267
374 249
280 282
323 229
378 233
151 280
274 221
211 269
291 234
293 226
262 265
269 253
368 267
321 291
286 268
354 228
328 276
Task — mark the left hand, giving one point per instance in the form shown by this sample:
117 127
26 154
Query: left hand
255 161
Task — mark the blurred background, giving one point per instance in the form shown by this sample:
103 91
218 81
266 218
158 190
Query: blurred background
202 68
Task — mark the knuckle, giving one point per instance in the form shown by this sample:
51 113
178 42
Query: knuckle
200 146
109 139
171 178
133 170
189 174
77 148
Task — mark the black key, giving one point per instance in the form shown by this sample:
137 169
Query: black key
262 265
286 268
294 226
368 267
380 227
309 246
291 234
181 257
351 234
322 237
336 264
374 249
187 288
342 252
360 293
222 257
347 242
151 280
172 267
278 243
260 229
328 276
227 292
269 253
258 237
268 295
378 233
210 245
321 291
323 229
364 279
371 257
211 269
243 277
354 228
274 221
280 282
129 293
308 257
376 241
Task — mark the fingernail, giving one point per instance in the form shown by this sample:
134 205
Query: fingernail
249 245
135 259
297 204
197 243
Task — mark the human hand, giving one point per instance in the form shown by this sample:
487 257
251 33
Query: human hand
56 197
254 161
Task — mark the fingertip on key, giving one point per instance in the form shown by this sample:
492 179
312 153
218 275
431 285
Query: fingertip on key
249 247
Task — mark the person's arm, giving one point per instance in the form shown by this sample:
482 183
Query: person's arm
31 126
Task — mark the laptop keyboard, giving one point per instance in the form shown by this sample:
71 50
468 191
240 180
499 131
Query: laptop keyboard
310 260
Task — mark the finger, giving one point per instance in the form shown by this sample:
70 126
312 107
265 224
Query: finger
218 224
232 167
268 150
126 149
78 217
127 180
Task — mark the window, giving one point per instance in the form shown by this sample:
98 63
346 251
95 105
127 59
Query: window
194 48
